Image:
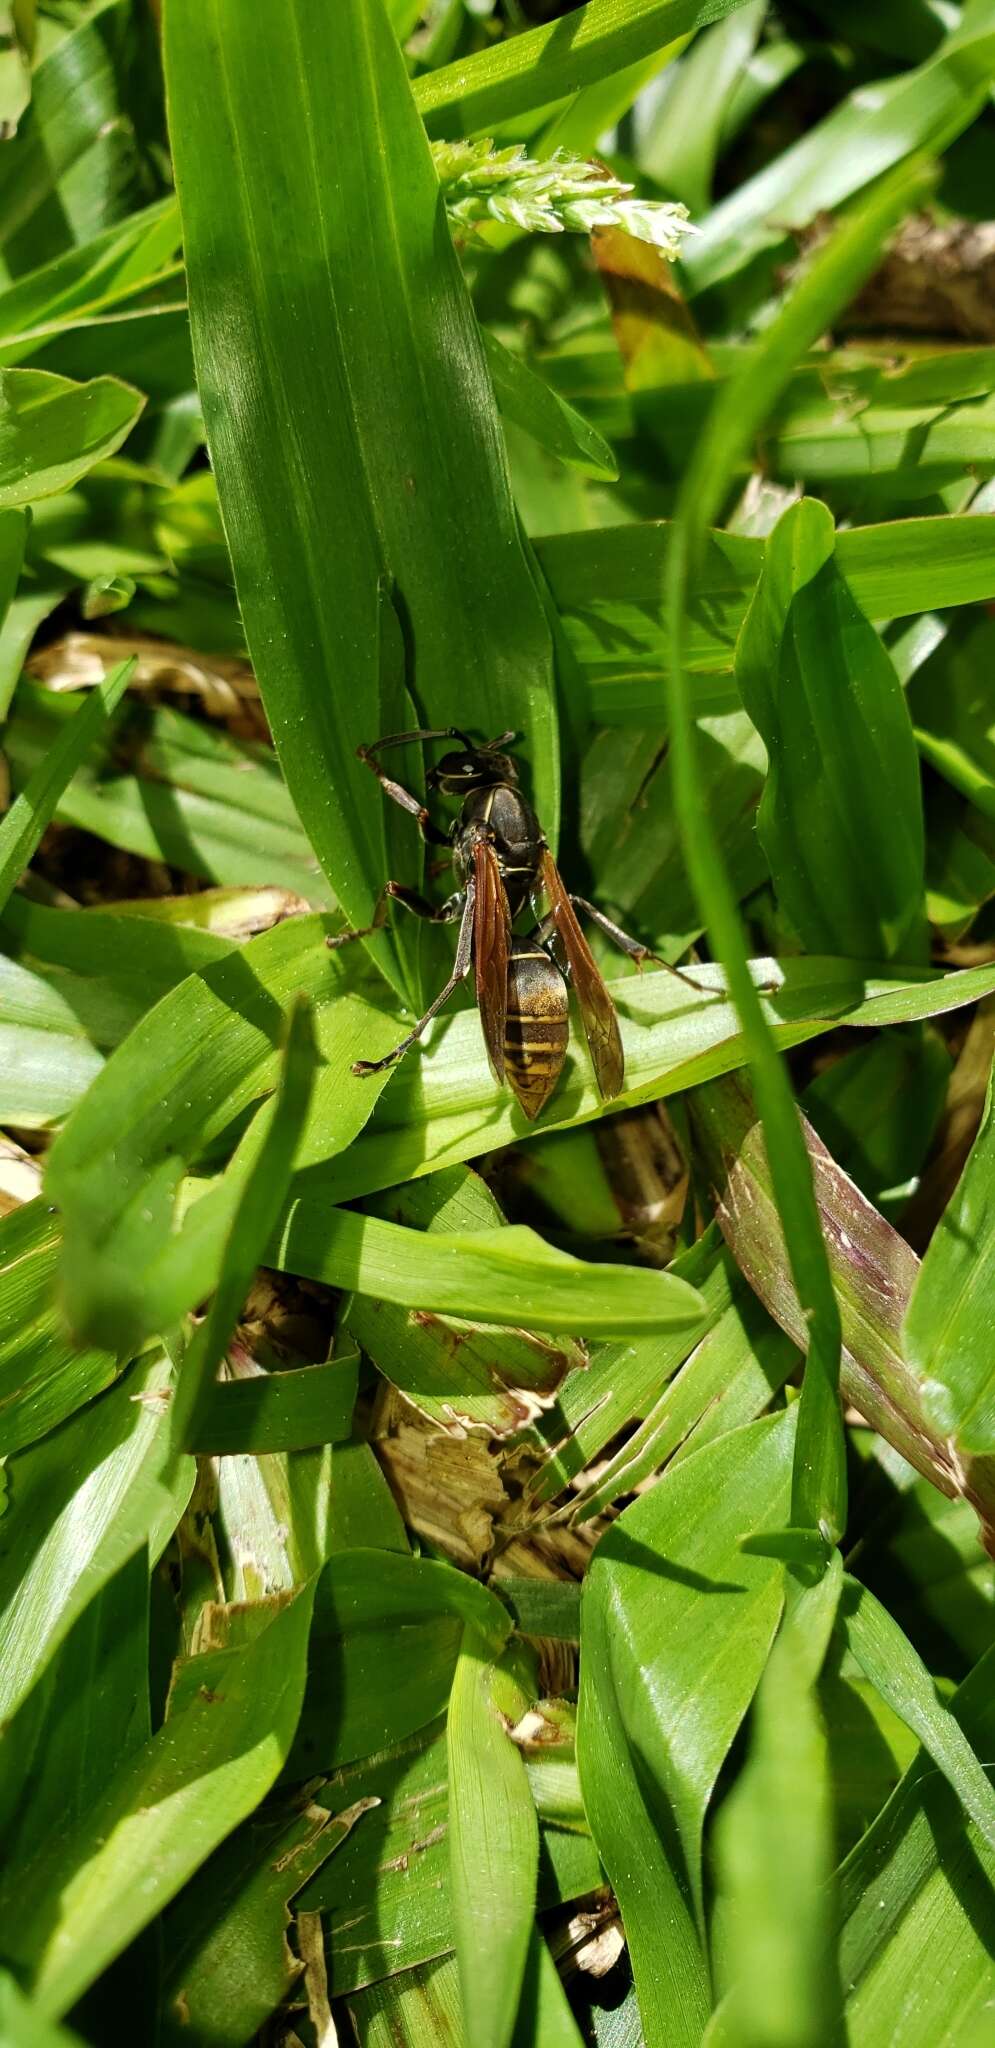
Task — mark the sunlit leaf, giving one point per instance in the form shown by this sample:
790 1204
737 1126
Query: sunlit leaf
669 1600
823 693
52 431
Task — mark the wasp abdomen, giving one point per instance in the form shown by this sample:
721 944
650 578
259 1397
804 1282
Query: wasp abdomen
537 1026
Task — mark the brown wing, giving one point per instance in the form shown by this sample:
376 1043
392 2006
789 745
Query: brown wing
596 1006
491 946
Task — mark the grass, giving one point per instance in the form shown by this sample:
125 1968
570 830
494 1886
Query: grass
464 1580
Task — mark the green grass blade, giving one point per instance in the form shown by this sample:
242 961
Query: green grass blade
194 1067
892 1664
545 64
260 1203
80 158
681 151
545 2015
44 1376
82 1502
859 141
35 807
14 527
500 1276
173 1103
672 1608
279 1411
823 693
53 430
775 1848
228 1962
167 1808
87 281
820 1479
198 799
921 1884
352 294
367 1600
608 584
534 406
22 2025
947 1326
493 1843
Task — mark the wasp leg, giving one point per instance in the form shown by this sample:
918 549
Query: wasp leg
430 832
442 913
461 965
412 739
632 947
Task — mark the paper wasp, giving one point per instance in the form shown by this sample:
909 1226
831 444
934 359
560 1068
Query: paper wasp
502 864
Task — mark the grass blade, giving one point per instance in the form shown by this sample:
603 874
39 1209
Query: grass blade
259 1206
355 292
820 1478
216 1757
651 1628
493 1843
35 807
887 1657
947 1333
861 140
919 1883
52 430
82 1502
545 64
775 1848
822 691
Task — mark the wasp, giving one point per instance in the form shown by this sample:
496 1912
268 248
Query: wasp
502 865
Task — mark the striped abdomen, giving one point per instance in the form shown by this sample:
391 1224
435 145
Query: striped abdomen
537 1029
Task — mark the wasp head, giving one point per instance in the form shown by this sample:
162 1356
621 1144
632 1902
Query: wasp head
473 768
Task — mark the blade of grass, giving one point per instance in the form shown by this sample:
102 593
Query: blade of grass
823 693
80 158
193 1069
819 1487
228 1963
53 430
35 807
81 1503
279 1411
910 1889
196 798
353 293
775 1847
862 139
947 1324
493 1842
540 411
608 586
673 1610
884 1652
44 1376
545 64
259 1206
166 1809
367 1600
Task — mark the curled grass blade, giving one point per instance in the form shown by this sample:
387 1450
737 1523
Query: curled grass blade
820 1477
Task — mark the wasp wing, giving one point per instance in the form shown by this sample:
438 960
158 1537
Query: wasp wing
491 948
596 1007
